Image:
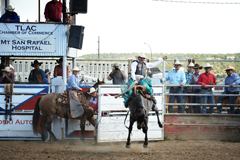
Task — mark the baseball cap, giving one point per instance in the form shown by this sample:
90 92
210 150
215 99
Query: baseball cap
47 71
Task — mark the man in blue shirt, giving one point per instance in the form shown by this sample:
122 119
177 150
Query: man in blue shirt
196 90
47 79
188 90
231 80
74 81
36 75
9 15
176 77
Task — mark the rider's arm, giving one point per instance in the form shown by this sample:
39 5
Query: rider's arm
133 70
152 65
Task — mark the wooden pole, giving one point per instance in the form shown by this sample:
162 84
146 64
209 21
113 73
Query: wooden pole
39 11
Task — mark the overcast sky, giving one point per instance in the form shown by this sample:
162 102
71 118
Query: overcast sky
167 27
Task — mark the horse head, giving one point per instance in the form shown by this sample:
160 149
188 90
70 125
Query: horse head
98 83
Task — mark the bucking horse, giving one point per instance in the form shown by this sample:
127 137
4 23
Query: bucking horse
50 107
139 107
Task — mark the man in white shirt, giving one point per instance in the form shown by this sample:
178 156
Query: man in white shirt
138 72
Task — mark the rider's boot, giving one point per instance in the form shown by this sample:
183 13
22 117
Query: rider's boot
126 105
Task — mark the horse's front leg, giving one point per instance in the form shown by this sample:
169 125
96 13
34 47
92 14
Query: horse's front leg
145 129
82 126
129 132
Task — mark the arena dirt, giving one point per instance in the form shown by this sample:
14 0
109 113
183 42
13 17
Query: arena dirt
76 149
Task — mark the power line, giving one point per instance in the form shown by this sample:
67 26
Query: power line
198 2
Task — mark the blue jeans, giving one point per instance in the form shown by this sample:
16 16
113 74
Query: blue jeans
232 100
187 97
204 100
181 109
196 99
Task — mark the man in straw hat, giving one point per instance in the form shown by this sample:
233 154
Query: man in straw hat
9 15
138 73
74 81
58 70
36 75
117 75
6 76
231 80
207 78
196 90
176 77
188 90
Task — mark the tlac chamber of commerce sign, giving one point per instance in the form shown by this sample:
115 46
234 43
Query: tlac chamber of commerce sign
26 37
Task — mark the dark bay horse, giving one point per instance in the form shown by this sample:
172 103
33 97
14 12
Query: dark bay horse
139 107
49 108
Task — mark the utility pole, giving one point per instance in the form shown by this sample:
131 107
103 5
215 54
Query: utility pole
98 47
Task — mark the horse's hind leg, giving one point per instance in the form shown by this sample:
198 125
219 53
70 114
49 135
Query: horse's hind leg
49 128
145 129
157 114
129 132
92 121
82 126
42 125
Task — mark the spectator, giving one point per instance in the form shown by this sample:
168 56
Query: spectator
36 75
58 70
117 75
176 77
9 15
207 78
53 11
6 76
196 90
94 100
47 79
188 90
231 80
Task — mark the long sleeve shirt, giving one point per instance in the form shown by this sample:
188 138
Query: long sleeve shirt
74 82
188 77
94 103
35 76
13 17
195 80
9 79
232 79
206 79
175 77
148 65
53 11
58 71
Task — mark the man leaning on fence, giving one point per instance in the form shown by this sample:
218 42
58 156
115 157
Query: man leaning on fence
207 78
176 77
196 90
231 80
188 90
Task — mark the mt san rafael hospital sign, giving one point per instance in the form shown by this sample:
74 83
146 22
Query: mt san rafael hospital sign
17 37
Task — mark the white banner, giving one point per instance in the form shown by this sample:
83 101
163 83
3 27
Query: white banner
27 37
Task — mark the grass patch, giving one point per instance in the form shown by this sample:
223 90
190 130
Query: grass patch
166 138
180 139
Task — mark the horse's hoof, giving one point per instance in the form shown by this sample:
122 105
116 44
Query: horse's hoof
46 140
94 143
128 146
145 146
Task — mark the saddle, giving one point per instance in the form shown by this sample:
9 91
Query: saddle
142 90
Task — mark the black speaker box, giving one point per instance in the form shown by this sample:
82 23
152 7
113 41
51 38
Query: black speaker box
76 37
78 6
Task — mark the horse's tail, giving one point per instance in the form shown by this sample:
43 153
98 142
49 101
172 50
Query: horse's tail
36 116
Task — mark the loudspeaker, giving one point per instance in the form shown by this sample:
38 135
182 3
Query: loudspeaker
78 6
76 37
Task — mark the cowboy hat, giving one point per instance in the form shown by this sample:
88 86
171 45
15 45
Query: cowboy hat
197 66
9 8
6 69
231 68
177 63
207 65
60 60
92 90
115 65
36 62
191 65
75 69
142 55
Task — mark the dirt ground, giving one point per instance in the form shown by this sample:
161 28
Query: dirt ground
76 149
